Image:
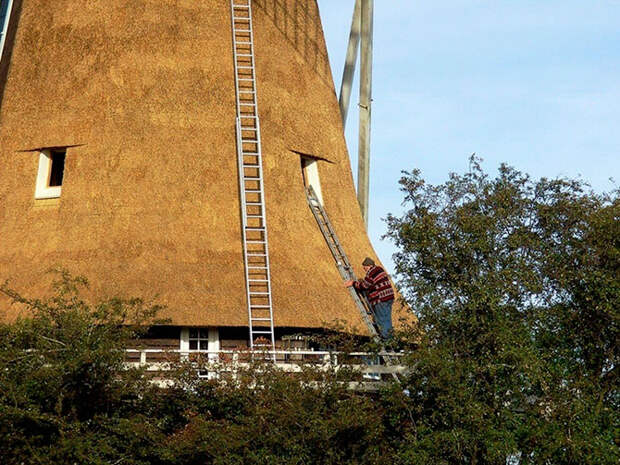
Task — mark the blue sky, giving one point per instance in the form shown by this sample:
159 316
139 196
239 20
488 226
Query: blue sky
535 84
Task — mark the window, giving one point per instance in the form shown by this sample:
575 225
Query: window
58 167
50 173
310 173
198 339
5 12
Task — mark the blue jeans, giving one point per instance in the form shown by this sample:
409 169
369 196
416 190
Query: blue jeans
383 317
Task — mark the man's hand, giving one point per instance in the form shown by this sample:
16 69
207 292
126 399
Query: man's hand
348 283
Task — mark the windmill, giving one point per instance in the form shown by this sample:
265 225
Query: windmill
130 153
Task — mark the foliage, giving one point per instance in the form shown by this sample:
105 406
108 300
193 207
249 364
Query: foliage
66 396
62 367
517 287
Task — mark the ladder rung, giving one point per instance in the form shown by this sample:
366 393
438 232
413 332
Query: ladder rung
253 216
252 191
260 293
259 280
253 254
255 242
257 267
261 319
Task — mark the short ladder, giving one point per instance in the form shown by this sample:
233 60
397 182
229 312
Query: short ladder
343 265
252 194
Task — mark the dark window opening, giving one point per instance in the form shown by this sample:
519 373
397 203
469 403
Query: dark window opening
198 339
58 167
304 164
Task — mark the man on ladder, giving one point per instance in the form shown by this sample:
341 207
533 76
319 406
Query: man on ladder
380 295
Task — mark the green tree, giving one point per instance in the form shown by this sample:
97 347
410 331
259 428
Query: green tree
516 284
62 370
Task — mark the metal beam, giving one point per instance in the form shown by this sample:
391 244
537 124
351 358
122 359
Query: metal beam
363 160
349 64
5 14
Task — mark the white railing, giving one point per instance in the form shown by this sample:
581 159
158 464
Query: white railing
286 360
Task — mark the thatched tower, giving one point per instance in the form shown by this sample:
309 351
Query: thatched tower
136 99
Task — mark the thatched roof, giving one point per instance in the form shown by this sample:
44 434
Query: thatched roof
150 203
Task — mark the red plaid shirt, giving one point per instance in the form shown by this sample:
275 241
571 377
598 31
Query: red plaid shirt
377 284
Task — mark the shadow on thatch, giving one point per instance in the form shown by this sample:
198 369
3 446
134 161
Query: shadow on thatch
298 21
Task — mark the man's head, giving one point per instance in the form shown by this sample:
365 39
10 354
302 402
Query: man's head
368 263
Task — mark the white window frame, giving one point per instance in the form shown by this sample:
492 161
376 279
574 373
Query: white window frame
43 190
213 346
310 169
212 339
5 27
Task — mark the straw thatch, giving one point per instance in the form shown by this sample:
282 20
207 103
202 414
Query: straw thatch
144 91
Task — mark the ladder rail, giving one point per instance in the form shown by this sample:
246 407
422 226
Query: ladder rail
244 221
247 112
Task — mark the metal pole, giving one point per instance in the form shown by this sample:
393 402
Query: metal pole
5 15
349 64
363 160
